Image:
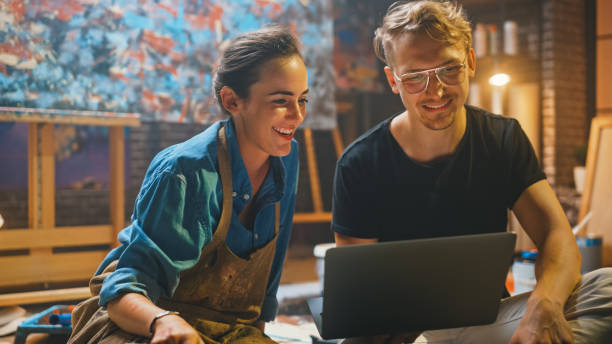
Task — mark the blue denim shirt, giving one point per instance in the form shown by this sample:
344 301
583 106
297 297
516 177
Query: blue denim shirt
177 211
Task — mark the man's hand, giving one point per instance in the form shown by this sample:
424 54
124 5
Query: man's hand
173 329
557 268
543 322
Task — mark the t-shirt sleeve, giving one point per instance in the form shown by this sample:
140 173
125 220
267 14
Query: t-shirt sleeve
525 168
353 206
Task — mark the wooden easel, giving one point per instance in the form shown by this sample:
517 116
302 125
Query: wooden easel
42 265
597 195
318 215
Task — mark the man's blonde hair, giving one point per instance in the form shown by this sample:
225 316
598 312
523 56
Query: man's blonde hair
442 21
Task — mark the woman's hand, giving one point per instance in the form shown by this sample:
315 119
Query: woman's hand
172 329
134 313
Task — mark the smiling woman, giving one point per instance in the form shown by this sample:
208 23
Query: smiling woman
267 119
202 258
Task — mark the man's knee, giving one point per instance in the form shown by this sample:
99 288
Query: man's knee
593 295
601 278
589 308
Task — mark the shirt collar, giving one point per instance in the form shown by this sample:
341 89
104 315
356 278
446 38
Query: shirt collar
272 188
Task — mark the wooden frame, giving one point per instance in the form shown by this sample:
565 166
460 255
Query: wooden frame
597 195
41 264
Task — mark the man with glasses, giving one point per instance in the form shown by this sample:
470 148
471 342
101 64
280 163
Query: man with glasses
442 168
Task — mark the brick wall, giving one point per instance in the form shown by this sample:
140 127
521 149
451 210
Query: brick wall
563 82
146 141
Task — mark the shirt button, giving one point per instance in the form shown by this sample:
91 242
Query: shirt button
246 197
256 236
234 194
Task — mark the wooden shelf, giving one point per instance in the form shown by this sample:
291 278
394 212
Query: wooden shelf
28 115
27 298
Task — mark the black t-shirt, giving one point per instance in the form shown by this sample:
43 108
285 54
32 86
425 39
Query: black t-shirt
379 192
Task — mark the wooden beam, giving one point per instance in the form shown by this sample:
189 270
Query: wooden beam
47 176
313 172
16 239
46 150
117 184
33 177
312 217
45 296
73 119
59 267
337 138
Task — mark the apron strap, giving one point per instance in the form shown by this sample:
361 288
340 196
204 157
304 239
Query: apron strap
225 170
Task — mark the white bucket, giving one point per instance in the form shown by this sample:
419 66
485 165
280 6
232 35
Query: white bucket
523 273
319 253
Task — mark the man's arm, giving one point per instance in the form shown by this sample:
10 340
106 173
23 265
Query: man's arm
342 240
557 266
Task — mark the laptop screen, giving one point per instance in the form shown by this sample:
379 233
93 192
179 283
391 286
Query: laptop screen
414 285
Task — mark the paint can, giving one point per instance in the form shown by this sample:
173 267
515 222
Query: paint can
523 272
591 251
319 253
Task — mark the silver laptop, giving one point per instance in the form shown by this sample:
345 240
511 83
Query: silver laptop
412 285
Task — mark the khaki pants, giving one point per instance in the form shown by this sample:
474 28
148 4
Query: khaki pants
588 311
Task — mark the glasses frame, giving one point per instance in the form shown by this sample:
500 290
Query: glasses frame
428 73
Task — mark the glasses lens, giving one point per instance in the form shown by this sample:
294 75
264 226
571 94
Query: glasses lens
451 75
415 82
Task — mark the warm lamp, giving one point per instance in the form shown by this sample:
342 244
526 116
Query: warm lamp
499 79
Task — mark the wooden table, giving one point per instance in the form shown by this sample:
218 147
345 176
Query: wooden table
42 265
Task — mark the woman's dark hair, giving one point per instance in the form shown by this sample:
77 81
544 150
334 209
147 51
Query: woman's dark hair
241 61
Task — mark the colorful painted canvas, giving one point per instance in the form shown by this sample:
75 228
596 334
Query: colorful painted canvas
354 60
153 57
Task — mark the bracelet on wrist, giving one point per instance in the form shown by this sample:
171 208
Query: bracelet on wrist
160 315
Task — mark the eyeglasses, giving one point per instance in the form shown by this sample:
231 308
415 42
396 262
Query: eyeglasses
417 82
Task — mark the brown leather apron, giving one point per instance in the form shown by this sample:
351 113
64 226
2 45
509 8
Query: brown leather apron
221 296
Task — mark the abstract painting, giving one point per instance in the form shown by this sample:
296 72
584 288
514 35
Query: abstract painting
153 57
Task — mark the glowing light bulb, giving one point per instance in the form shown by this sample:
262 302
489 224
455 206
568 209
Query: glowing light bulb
499 79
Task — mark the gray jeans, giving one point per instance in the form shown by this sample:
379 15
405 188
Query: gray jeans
588 311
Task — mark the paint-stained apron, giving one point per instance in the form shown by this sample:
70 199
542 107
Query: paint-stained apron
221 296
